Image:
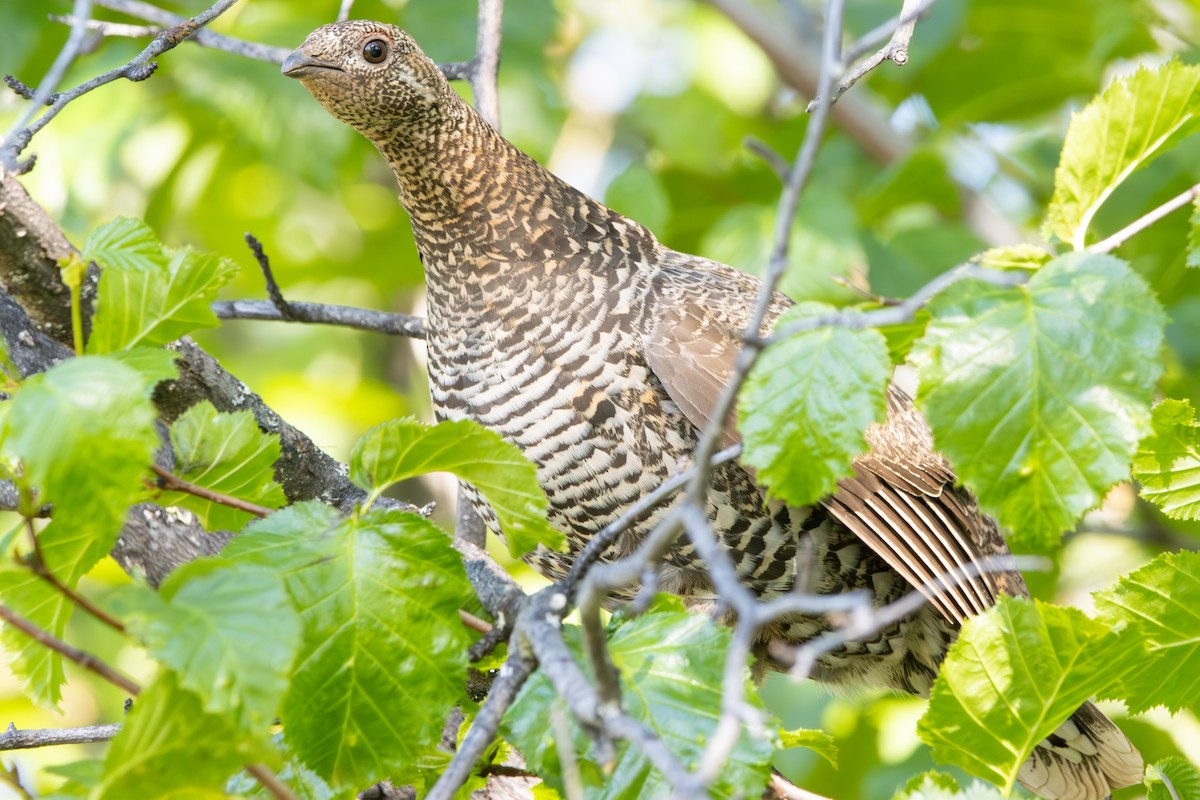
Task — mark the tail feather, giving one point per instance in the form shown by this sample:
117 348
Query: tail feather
1086 758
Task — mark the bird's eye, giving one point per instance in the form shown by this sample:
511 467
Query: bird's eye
375 51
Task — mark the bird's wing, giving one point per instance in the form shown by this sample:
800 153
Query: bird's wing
901 502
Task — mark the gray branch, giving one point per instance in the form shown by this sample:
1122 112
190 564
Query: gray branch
363 319
14 739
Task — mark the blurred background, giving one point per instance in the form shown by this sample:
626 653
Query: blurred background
646 104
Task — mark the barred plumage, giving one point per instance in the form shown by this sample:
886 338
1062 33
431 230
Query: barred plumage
573 333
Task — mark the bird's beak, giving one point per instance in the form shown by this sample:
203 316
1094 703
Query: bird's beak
301 65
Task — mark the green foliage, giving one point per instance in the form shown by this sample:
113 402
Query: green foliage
1168 461
378 596
78 436
149 295
1040 393
1159 601
819 742
404 448
940 786
171 744
833 374
1014 675
1144 112
671 664
206 623
1183 777
228 454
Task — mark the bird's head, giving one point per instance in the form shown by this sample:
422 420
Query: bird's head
371 76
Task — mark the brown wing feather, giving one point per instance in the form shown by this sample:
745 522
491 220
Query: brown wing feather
901 502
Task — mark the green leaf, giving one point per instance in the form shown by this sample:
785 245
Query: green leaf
1123 129
1183 777
228 454
1160 601
940 786
807 403
1168 461
1017 256
171 747
818 741
154 364
1015 674
79 436
404 448
1193 245
383 653
671 664
149 295
207 624
1039 394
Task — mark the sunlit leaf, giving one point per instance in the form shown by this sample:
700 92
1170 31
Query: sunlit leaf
1040 393
404 448
383 653
228 454
1122 129
818 741
940 786
149 295
1015 674
1162 601
807 403
227 630
671 664
1168 461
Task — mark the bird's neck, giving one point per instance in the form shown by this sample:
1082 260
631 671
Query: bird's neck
475 200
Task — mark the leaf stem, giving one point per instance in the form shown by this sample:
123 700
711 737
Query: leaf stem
73 654
1145 221
42 570
270 781
168 480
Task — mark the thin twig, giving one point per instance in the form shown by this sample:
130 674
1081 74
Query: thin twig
512 676
363 319
106 29
273 290
607 537
270 781
73 654
40 568
1145 221
474 623
14 739
203 38
485 66
905 310
172 482
908 16
344 10
896 50
45 91
138 69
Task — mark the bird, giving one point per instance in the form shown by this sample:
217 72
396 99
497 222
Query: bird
573 333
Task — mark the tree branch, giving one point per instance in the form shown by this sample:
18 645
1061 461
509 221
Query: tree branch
14 739
363 319
171 482
37 563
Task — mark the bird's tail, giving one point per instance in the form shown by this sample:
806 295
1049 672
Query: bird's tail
1086 758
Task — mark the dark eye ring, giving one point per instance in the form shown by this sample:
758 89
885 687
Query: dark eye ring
375 51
